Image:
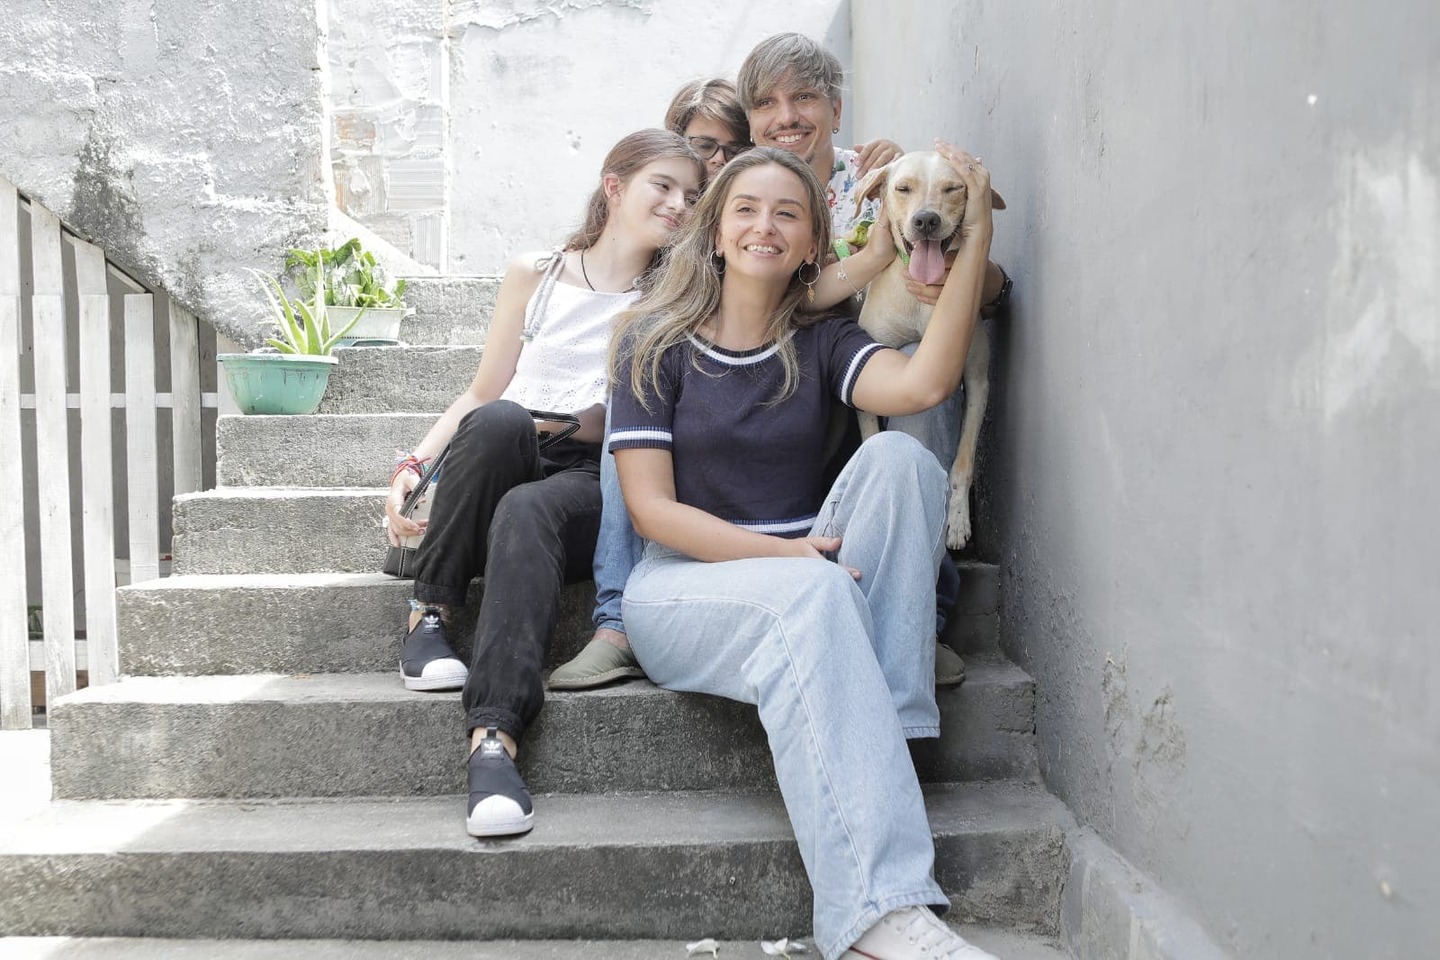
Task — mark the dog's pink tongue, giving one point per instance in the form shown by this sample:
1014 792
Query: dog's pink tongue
927 262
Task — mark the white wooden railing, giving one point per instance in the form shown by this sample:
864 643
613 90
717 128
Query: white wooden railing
60 655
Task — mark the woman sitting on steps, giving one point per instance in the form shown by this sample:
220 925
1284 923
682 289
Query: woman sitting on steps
756 583
707 113
523 519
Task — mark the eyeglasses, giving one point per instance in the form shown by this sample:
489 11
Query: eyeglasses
706 147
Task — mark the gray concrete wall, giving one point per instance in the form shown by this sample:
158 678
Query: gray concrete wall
1212 473
183 138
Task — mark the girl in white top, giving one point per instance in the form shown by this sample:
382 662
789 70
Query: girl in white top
525 519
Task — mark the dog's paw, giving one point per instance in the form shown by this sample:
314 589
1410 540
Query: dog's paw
957 532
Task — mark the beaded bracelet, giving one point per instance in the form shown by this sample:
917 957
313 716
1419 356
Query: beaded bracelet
409 462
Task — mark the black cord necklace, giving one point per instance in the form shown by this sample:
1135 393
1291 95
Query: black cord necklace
586 275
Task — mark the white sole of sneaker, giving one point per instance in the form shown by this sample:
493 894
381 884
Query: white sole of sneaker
438 675
498 817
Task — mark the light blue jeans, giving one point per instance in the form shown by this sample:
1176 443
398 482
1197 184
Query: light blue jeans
842 672
938 429
618 547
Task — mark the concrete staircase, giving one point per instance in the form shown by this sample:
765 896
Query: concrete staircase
261 772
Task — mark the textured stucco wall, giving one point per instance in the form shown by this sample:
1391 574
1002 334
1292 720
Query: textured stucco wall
183 138
1212 482
389 82
540 91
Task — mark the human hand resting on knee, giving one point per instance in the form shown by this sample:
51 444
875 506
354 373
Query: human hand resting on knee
825 548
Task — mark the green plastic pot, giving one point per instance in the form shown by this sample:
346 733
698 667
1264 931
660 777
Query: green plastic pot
277 382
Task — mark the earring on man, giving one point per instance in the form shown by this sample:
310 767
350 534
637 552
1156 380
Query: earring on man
809 284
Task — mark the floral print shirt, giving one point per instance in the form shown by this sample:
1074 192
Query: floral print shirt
840 195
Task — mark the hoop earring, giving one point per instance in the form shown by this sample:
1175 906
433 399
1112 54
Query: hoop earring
717 262
809 284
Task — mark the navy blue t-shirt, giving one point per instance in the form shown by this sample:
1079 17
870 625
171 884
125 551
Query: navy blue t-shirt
737 454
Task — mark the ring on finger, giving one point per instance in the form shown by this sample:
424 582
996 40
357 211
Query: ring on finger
385 523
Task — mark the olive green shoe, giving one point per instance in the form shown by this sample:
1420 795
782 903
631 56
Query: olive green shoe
601 662
949 668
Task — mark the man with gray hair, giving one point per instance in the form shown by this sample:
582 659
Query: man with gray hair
790 88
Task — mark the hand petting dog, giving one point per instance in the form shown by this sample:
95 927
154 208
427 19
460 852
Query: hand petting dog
928 293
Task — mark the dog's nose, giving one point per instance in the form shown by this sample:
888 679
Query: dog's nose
925 222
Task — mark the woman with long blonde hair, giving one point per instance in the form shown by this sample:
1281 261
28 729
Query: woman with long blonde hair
759 585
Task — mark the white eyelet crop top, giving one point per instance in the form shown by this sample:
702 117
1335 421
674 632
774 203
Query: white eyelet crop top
562 366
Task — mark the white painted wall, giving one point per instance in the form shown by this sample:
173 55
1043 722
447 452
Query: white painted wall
534 96
183 139
388 82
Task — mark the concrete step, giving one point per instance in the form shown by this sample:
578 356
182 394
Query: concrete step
399 379
352 623
1010 944
675 866
275 530
449 310
272 735
325 450
278 530
295 623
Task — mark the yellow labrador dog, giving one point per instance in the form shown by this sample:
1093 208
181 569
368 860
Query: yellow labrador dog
925 199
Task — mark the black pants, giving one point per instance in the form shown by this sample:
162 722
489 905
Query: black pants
527 522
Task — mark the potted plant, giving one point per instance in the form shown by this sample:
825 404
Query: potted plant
291 379
356 288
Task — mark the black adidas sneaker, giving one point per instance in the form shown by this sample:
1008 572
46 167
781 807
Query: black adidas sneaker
427 661
499 803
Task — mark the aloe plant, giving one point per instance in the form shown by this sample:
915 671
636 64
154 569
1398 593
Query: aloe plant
304 326
352 277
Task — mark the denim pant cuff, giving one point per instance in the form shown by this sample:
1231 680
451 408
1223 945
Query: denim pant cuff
441 593
506 721
919 733
873 912
611 623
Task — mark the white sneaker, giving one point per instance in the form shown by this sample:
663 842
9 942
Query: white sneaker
913 933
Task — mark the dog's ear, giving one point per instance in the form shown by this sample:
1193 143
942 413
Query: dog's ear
997 202
871 186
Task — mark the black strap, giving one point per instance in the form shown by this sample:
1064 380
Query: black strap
547 440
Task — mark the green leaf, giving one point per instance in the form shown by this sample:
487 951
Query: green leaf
282 313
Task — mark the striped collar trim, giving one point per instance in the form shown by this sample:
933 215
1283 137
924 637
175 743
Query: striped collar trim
738 358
